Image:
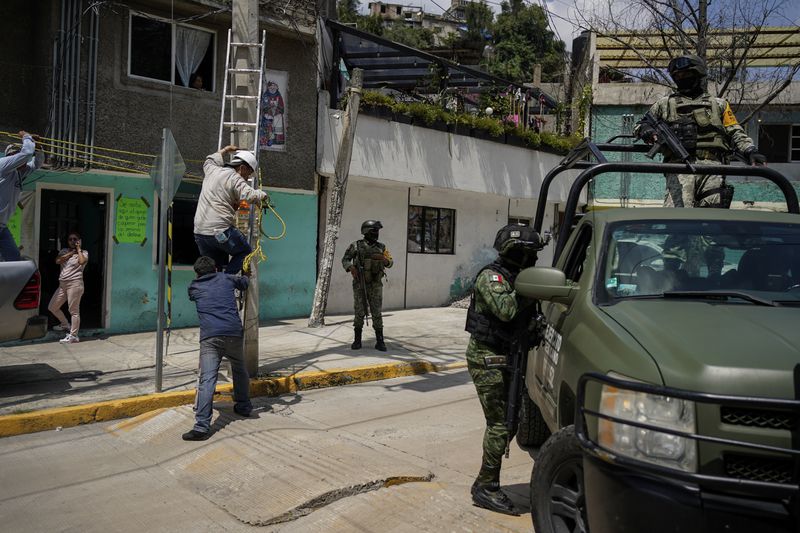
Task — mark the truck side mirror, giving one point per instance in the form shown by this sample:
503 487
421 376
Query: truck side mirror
545 283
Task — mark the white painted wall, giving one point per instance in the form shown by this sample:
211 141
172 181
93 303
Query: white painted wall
392 151
424 280
396 165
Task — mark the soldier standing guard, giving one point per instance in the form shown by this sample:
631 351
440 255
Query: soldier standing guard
707 129
493 306
366 260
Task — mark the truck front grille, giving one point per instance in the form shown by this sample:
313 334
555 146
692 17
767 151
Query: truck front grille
761 418
758 468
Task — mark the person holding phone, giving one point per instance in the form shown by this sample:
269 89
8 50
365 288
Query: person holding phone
72 260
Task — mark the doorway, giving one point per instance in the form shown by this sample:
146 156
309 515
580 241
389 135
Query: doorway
63 211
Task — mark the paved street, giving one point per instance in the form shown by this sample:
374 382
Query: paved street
43 375
393 455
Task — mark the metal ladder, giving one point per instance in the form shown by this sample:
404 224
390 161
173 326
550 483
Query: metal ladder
228 125
229 100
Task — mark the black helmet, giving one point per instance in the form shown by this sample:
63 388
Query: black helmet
369 225
688 63
517 236
689 75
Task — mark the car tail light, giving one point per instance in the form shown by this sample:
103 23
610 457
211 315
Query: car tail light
28 297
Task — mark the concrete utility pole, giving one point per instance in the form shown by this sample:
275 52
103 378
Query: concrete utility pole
341 173
245 30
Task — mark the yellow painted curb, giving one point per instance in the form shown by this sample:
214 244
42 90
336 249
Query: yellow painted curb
64 417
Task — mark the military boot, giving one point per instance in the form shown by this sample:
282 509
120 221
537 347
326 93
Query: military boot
489 496
357 342
379 344
486 491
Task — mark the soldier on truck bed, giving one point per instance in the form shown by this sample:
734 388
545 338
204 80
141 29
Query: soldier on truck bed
708 130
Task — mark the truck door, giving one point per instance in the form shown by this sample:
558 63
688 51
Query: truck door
550 353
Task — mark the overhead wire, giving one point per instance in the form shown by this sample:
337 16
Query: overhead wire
136 167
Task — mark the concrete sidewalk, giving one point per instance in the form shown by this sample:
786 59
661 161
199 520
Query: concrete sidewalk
50 375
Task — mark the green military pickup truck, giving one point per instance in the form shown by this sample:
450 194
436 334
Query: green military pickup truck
664 392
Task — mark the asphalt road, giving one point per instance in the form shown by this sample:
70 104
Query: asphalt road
394 455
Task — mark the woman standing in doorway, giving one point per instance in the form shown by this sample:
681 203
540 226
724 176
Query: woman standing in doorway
70 287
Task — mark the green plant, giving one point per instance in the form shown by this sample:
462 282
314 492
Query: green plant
377 99
427 113
530 137
494 127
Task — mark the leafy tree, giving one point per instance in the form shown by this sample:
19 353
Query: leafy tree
347 10
479 21
723 33
409 36
522 38
371 23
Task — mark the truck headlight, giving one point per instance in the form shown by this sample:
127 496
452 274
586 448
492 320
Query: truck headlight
649 445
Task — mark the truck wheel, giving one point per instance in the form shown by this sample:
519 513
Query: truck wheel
532 430
557 492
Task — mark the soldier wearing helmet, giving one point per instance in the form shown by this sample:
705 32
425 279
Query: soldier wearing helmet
224 187
708 129
492 308
368 258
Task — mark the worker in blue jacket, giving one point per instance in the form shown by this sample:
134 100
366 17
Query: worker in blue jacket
220 336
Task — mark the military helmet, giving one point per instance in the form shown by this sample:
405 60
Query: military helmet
688 63
370 224
517 236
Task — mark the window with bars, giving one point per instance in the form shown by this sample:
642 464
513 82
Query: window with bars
431 230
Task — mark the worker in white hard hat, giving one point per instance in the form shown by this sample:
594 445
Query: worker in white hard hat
224 187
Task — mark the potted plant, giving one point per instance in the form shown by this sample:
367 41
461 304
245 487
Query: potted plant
401 113
376 104
488 129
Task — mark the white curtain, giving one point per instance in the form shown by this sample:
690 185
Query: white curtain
190 48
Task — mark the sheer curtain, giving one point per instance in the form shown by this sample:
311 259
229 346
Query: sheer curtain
190 48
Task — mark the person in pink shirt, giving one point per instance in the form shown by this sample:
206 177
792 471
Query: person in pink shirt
70 287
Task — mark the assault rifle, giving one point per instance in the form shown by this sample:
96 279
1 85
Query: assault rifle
666 138
359 264
527 334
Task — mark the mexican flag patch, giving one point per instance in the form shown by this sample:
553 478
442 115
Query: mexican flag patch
497 277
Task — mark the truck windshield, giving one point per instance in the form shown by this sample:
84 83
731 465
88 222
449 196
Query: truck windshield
647 259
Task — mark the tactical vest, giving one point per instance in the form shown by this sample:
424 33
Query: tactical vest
373 269
698 123
487 328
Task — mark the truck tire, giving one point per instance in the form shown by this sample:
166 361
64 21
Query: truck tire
532 430
557 492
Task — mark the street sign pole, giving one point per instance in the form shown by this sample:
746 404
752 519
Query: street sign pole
163 202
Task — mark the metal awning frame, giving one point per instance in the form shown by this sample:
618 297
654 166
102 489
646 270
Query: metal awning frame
411 68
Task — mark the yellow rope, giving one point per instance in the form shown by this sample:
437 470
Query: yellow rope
95 162
283 233
16 136
257 252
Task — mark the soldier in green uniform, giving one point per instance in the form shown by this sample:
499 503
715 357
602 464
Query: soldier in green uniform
370 257
493 306
708 130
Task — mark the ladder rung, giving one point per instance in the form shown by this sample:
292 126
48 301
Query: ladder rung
241 97
240 124
251 70
254 45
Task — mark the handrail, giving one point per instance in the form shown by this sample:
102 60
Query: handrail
664 168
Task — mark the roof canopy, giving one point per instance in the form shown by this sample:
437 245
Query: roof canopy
390 65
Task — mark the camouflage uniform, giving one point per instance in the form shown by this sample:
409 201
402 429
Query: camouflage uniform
361 252
718 129
494 295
